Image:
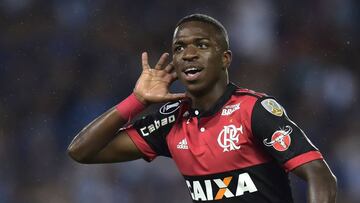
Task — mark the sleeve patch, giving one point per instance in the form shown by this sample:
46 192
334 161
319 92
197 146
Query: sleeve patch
280 139
169 108
273 107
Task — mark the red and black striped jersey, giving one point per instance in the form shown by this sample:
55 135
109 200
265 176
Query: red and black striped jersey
241 150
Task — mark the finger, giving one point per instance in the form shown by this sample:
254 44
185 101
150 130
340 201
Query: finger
159 65
145 60
170 67
176 96
173 76
170 77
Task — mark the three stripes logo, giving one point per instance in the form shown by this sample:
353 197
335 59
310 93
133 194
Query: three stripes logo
182 144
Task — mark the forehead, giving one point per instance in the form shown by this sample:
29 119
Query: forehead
194 29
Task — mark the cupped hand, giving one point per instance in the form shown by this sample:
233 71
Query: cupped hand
153 83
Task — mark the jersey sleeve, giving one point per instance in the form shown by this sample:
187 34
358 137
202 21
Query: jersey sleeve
280 136
149 132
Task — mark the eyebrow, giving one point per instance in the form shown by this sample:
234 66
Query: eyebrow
195 39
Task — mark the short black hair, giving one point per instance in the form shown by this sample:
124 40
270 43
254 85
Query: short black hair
210 20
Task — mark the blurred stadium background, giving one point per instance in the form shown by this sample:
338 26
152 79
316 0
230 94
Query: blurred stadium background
63 62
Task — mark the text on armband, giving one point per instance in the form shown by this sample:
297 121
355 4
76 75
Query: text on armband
147 130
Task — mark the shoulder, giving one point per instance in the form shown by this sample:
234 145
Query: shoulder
253 99
248 96
248 92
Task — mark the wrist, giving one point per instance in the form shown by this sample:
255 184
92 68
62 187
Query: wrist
140 99
130 107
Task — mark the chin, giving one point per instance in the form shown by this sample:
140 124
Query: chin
197 88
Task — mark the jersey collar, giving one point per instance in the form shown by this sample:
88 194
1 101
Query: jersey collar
230 88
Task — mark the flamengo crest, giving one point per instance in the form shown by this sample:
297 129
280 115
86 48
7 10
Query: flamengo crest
229 137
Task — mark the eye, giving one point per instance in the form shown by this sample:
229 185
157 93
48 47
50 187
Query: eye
202 45
178 48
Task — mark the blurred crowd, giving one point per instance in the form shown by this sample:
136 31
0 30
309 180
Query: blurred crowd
64 62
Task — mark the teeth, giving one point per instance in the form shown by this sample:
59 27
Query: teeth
191 69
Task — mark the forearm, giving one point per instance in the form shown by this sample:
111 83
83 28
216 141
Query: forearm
322 191
95 136
322 185
98 134
100 141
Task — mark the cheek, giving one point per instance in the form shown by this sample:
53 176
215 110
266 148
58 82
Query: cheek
175 64
176 59
216 62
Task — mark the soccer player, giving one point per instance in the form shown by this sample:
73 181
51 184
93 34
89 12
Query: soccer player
230 144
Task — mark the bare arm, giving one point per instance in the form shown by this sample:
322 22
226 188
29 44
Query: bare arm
321 181
100 141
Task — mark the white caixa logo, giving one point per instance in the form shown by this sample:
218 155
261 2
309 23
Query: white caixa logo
228 110
218 188
229 137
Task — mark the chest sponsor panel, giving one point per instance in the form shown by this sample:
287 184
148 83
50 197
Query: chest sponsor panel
227 141
217 188
253 184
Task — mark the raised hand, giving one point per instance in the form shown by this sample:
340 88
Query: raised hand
153 84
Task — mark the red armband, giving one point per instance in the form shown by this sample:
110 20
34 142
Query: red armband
130 107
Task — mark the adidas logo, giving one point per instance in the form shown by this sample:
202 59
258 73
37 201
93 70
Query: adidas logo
182 144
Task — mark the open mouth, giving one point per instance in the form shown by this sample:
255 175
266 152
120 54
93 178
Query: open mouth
192 73
192 70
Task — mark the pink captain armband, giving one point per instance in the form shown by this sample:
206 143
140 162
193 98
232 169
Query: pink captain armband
130 107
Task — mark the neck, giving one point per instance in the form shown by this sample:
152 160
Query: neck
204 101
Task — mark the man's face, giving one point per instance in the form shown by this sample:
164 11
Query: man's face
199 60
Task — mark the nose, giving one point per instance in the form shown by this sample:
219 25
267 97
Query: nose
190 54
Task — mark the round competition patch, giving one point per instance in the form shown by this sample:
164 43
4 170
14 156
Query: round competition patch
273 107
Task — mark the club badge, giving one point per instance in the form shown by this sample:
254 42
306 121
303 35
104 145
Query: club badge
228 138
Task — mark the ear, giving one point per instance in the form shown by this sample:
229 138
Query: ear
226 59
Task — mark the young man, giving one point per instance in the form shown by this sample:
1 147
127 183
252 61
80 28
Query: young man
230 144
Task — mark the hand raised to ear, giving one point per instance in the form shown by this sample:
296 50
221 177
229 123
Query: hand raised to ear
153 83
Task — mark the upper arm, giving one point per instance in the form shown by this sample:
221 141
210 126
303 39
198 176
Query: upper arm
120 149
288 144
280 136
